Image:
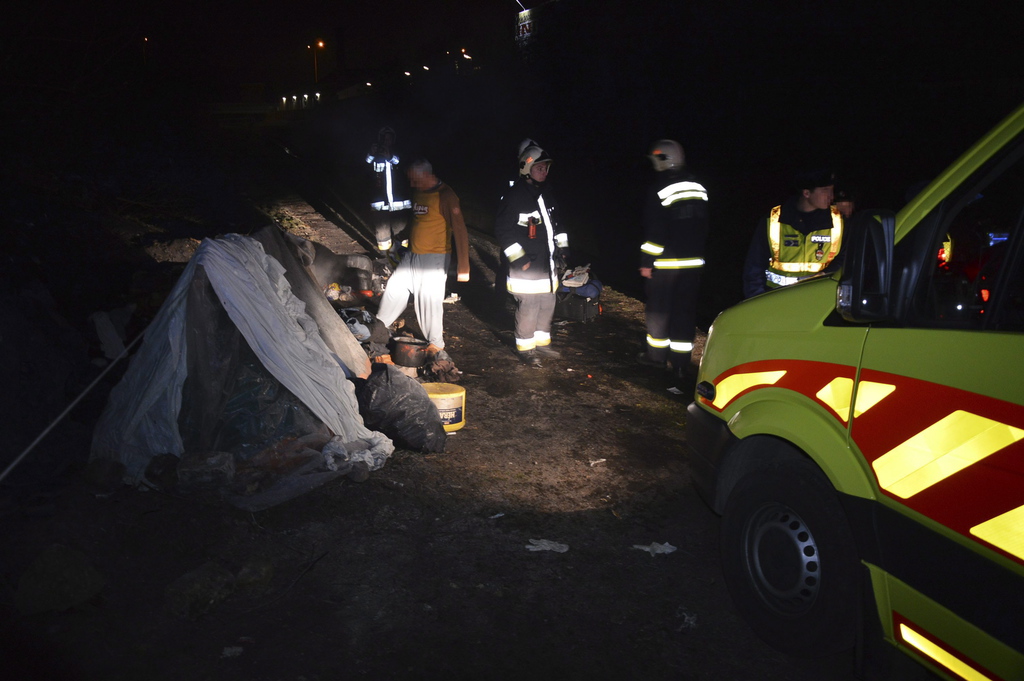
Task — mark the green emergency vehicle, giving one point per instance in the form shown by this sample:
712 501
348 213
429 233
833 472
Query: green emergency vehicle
862 433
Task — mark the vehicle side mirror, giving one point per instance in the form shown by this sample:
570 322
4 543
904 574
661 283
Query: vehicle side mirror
866 283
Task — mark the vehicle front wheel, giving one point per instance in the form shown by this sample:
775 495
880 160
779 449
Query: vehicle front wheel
789 559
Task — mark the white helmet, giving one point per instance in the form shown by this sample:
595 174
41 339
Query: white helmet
529 156
667 155
526 143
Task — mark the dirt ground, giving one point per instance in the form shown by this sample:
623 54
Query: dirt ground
556 537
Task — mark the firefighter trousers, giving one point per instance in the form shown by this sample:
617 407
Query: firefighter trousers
671 315
387 225
534 312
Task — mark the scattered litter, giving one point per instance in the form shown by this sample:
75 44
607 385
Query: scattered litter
545 545
656 548
232 651
597 461
570 369
689 619
675 391
336 291
337 456
453 298
497 515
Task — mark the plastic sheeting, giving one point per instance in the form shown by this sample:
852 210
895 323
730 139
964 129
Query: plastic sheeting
141 417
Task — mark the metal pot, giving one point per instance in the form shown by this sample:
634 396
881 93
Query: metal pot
409 352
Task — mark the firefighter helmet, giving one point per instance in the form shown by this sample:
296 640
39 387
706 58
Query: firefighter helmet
531 155
527 143
667 155
385 139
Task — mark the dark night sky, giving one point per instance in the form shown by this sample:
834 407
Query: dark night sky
889 90
216 42
736 79
66 43
642 67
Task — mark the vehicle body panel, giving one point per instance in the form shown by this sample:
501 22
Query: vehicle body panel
920 430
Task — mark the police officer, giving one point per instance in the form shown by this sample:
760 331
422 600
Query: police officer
800 238
672 257
527 230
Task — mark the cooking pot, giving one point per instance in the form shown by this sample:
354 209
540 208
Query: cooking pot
409 352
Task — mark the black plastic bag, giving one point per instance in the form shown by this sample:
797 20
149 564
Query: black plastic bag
398 406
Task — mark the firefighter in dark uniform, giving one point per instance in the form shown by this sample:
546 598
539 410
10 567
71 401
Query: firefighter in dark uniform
800 238
527 230
389 201
672 258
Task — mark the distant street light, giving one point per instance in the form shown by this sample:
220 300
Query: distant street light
320 45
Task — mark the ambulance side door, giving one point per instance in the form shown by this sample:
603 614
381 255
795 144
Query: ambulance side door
944 430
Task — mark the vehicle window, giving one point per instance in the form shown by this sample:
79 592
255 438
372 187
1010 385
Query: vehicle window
1008 315
973 281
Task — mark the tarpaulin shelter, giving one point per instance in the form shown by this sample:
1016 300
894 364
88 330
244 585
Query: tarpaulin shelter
247 356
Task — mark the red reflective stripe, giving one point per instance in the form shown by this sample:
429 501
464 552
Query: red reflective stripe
980 492
802 376
965 499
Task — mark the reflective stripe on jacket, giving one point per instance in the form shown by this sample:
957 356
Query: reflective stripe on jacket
796 255
675 223
527 231
385 199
